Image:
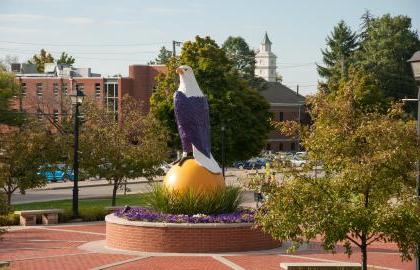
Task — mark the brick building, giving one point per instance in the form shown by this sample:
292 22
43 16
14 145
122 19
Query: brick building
46 93
285 104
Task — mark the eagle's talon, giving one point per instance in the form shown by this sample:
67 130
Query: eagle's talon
183 159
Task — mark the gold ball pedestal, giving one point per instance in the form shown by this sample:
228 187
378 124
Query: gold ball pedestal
192 176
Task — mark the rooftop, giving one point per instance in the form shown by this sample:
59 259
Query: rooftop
279 93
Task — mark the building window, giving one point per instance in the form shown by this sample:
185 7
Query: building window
111 96
293 146
23 89
97 89
281 116
64 89
39 91
268 147
55 89
55 116
280 146
80 87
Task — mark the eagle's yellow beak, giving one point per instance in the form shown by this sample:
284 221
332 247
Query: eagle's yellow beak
179 71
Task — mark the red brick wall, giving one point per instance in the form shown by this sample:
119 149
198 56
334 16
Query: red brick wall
187 240
143 81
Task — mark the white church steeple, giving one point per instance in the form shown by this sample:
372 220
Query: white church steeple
265 66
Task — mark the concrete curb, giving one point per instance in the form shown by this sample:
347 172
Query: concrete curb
101 185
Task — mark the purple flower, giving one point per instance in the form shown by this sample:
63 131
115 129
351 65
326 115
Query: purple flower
145 214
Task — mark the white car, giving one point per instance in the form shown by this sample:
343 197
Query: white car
297 162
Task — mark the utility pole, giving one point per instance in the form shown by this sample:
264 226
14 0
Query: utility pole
174 44
297 89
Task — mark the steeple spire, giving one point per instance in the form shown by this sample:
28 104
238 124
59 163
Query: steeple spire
266 40
265 61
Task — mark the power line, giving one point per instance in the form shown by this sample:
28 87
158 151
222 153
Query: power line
86 45
80 57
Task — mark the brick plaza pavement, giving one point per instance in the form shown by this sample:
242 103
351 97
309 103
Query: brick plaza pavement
61 247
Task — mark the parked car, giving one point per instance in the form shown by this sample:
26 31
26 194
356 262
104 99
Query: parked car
58 172
297 162
301 155
253 163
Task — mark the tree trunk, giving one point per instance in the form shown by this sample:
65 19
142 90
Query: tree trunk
114 192
363 250
9 199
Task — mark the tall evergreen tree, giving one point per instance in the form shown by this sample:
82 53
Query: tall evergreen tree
163 57
386 45
337 57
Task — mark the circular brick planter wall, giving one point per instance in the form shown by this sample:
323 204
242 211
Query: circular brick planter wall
184 237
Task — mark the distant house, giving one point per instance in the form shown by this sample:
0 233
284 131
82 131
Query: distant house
285 103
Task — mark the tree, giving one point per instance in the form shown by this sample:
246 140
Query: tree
388 42
367 192
6 62
66 59
24 151
163 57
129 148
337 57
242 111
8 90
243 58
41 59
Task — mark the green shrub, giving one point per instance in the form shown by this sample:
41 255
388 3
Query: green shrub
9 220
223 200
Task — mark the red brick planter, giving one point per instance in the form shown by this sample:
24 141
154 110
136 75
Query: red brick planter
184 237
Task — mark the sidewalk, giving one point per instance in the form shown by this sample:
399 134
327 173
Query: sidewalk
80 246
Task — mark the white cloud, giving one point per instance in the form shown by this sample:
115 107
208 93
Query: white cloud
22 17
20 30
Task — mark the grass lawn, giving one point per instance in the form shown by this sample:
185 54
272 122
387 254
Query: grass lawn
90 209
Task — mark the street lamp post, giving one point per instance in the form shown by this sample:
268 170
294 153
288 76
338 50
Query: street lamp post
76 100
415 65
223 149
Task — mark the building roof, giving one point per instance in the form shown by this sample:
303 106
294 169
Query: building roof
279 93
266 39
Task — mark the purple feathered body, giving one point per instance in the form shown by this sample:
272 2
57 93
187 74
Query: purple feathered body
192 117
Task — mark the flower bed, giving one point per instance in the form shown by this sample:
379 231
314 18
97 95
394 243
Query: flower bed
147 215
153 233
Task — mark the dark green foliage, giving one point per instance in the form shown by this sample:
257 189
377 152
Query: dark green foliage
163 57
8 90
224 200
341 44
387 45
66 59
242 57
242 110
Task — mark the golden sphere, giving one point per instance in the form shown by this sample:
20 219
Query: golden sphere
192 176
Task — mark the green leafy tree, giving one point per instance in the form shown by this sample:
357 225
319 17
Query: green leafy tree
129 148
388 42
243 58
367 191
163 57
242 111
41 59
337 57
66 59
8 90
24 152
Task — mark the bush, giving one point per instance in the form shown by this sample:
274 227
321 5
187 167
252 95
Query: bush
9 220
223 200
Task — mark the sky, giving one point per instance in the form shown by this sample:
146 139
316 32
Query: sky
109 35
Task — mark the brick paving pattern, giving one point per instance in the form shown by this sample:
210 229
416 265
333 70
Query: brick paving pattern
57 247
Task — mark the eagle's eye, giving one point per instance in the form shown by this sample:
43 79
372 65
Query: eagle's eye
185 69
